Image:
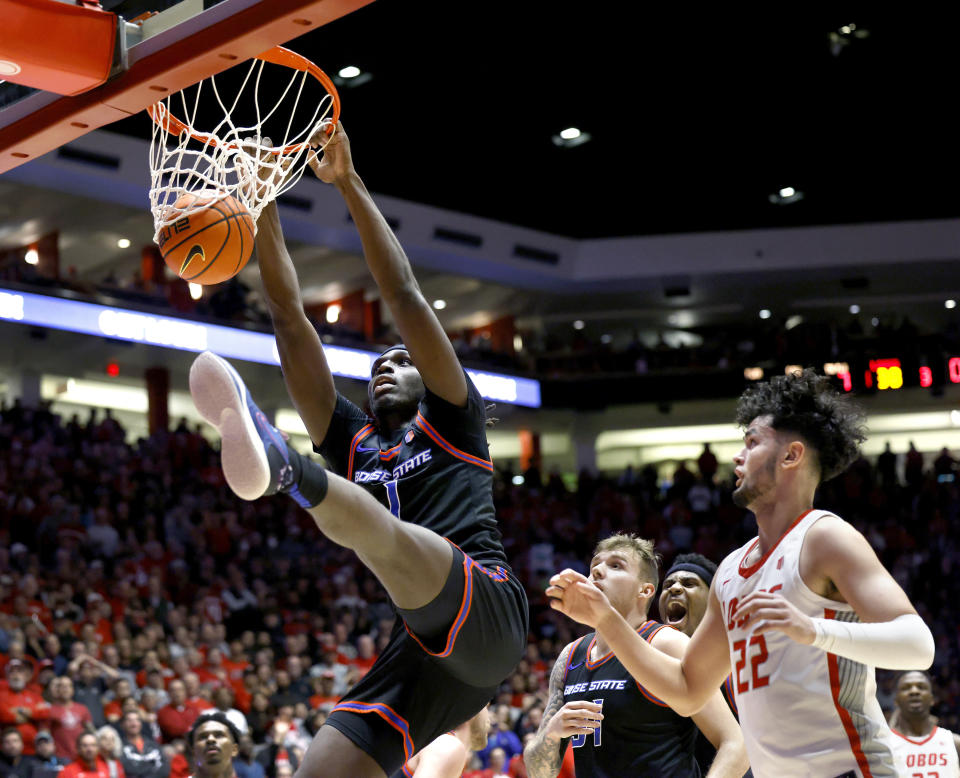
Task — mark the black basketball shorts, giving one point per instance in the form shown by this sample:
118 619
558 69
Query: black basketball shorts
421 687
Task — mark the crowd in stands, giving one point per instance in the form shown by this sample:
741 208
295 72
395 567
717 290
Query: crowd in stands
136 591
562 351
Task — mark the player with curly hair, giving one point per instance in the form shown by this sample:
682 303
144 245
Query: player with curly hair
801 615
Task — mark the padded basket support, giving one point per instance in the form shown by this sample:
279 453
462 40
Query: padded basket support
54 46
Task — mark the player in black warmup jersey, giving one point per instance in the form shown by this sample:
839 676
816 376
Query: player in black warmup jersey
412 497
616 727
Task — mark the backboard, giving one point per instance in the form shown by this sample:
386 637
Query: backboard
158 56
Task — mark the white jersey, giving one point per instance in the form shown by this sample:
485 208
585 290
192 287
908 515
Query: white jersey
803 711
933 756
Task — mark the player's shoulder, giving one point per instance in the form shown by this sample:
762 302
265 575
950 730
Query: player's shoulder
830 534
669 640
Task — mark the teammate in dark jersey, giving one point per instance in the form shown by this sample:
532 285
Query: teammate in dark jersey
683 602
412 497
617 727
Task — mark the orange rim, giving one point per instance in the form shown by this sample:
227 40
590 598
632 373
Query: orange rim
278 55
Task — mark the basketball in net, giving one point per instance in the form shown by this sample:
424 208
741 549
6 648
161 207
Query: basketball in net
213 167
208 238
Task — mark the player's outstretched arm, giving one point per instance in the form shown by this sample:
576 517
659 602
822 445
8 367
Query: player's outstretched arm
714 720
890 634
543 756
418 325
684 684
305 370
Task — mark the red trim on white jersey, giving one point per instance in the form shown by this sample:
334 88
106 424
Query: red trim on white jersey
746 572
848 726
911 740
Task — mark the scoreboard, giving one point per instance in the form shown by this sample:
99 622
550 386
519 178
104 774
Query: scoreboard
886 374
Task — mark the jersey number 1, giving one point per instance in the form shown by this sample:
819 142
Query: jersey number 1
393 497
578 740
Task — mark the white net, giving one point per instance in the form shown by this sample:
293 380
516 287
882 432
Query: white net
235 157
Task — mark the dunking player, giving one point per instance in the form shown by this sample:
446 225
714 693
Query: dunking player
213 743
802 613
615 726
447 756
413 498
683 603
919 745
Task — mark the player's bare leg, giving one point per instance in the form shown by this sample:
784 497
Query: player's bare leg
332 754
410 561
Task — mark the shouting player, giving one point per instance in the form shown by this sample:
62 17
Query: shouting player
801 614
615 726
412 497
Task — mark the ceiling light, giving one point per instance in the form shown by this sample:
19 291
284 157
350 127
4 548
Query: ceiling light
439 304
123 243
351 76
578 324
765 314
517 343
793 321
196 291
32 257
950 304
517 480
854 309
875 321
570 137
955 418
333 313
785 196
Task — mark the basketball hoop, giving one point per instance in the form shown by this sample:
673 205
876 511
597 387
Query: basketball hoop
225 159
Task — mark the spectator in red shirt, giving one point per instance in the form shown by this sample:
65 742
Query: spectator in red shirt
176 718
67 718
366 654
21 707
88 763
113 710
323 696
195 697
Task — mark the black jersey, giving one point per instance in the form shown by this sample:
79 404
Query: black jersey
705 750
435 471
639 735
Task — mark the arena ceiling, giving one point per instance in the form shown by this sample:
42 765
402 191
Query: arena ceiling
695 119
696 114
